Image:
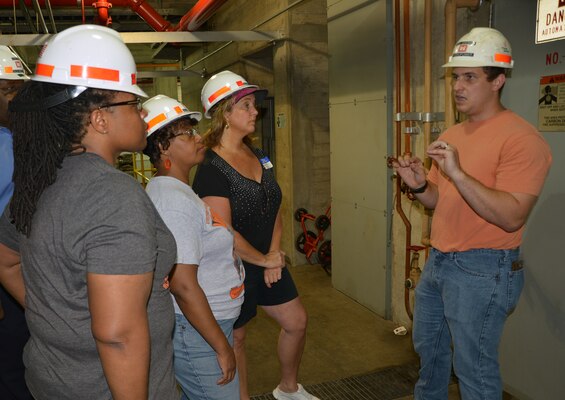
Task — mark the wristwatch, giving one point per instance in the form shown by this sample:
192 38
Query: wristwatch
421 189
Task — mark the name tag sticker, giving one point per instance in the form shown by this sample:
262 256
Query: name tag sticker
267 164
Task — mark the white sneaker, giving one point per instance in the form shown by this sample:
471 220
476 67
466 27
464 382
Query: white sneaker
300 394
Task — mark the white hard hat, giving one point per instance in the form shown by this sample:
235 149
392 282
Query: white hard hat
11 67
482 47
222 85
162 110
90 56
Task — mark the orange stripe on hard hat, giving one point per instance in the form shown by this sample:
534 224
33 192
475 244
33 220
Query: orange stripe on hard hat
505 58
8 70
218 93
104 74
44 70
155 120
178 110
223 90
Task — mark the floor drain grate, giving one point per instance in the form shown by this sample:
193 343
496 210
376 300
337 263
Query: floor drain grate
386 384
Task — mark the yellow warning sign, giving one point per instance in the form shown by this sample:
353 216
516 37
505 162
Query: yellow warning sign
551 103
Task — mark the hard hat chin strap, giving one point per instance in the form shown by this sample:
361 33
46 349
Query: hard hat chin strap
69 93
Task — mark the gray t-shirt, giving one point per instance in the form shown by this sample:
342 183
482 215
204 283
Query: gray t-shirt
202 239
93 219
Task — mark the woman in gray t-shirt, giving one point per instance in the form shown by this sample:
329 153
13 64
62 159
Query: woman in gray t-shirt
207 281
95 253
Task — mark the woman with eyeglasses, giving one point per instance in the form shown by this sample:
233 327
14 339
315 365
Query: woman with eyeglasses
95 254
237 181
207 280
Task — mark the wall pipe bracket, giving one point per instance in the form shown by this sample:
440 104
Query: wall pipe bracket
420 116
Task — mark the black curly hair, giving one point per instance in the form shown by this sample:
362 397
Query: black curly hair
43 137
163 136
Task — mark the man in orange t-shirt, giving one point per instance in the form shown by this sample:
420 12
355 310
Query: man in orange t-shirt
487 174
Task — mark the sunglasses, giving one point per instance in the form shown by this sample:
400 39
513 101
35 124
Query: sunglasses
136 102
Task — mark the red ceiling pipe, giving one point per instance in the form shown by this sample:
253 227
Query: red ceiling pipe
29 3
200 13
148 14
141 7
103 8
191 21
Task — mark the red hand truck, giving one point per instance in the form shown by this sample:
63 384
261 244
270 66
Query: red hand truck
313 245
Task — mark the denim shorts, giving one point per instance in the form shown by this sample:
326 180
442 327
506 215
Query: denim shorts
196 365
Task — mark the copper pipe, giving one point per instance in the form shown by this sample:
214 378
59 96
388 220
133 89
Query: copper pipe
427 68
451 7
407 65
425 239
398 129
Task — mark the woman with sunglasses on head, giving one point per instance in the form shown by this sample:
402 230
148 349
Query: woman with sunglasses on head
238 182
95 254
207 281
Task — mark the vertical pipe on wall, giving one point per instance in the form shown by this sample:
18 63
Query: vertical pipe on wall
398 131
450 33
451 7
427 67
427 101
407 66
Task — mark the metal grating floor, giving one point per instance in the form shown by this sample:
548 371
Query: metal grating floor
386 384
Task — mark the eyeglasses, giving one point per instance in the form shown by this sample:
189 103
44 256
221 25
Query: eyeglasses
189 132
136 102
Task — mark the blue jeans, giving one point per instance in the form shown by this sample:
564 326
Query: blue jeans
196 366
464 298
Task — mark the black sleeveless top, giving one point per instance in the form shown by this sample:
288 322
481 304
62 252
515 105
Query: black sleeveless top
254 206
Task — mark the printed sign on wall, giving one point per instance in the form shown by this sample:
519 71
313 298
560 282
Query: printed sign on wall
550 20
551 103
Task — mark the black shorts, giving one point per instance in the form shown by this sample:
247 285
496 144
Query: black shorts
257 293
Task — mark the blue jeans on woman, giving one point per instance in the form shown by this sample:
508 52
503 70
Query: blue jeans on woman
196 365
464 298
